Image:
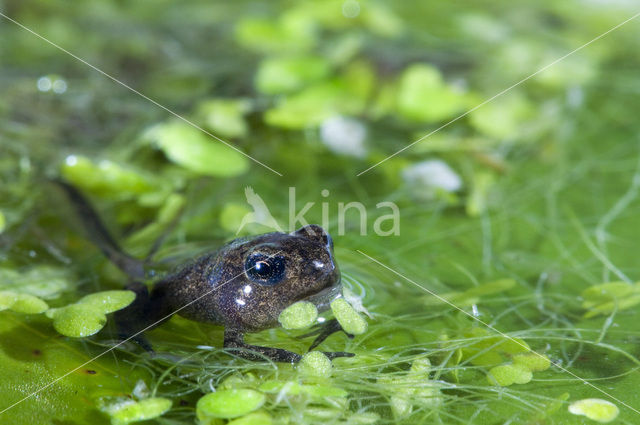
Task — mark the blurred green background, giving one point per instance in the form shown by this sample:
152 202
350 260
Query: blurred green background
511 212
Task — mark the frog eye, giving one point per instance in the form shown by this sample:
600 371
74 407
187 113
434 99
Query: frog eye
265 269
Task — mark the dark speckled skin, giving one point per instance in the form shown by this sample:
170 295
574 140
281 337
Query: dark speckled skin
227 296
217 289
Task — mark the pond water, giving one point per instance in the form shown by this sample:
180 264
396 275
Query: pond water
476 164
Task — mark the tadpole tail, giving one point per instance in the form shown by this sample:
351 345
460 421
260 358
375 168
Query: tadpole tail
98 233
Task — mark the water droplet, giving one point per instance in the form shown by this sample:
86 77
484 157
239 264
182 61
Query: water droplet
44 84
59 86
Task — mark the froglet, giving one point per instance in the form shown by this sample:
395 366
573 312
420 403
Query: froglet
243 286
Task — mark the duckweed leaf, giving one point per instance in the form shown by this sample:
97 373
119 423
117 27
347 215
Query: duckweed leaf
284 75
599 410
77 320
27 352
105 178
596 294
225 116
506 375
285 35
424 96
315 363
420 366
255 418
299 315
22 303
533 361
228 404
196 151
605 298
41 281
411 386
29 304
314 104
609 307
7 299
88 315
503 118
349 319
108 301
130 411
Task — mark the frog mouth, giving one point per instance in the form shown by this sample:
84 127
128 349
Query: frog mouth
323 298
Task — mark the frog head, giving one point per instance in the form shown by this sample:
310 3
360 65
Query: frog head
252 280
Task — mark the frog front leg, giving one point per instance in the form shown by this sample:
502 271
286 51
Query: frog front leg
234 339
329 328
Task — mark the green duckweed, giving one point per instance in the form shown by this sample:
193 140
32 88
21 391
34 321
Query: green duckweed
505 375
424 96
88 315
131 411
77 320
299 315
228 404
316 364
596 409
106 178
255 418
196 151
282 75
349 319
533 361
225 116
605 298
22 303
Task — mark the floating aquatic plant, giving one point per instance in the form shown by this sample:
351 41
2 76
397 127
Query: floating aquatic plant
348 317
126 411
608 297
503 247
22 303
88 316
227 404
195 151
315 363
299 315
596 409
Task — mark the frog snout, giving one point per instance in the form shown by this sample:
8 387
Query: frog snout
326 272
